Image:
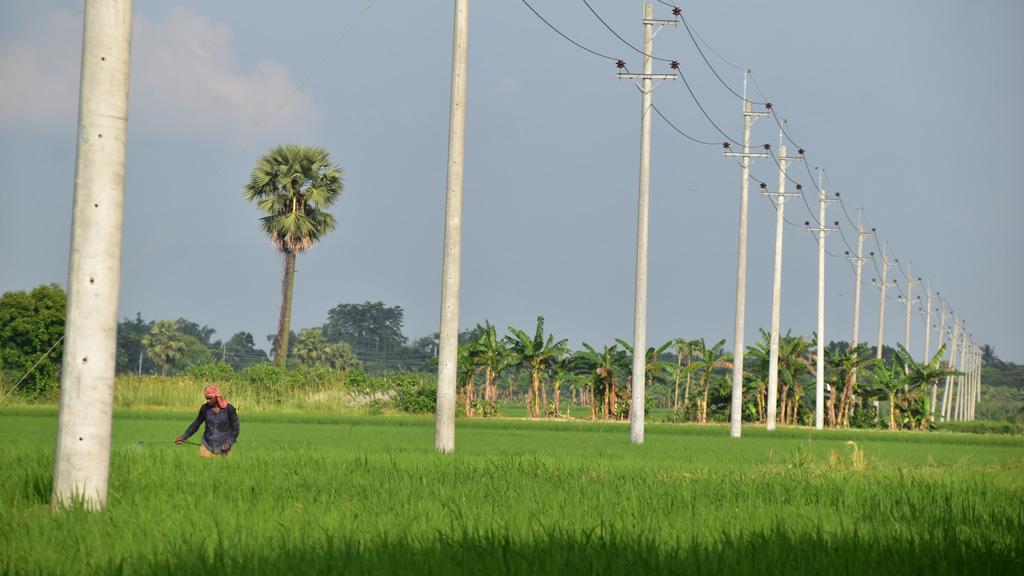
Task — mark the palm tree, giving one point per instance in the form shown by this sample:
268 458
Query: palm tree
311 348
164 344
652 366
708 360
842 364
683 350
603 369
889 381
795 361
492 355
466 375
920 374
537 354
293 185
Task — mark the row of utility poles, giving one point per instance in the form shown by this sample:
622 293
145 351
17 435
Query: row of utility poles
821 229
81 469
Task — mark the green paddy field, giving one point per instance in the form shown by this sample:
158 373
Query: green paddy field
327 494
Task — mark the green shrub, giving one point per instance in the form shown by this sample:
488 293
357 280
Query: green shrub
215 372
416 395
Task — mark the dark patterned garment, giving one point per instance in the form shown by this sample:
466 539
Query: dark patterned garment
221 427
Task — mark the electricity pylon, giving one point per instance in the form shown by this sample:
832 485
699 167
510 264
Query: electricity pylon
736 412
822 231
637 401
883 285
780 207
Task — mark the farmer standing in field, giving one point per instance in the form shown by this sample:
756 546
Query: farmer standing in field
221 420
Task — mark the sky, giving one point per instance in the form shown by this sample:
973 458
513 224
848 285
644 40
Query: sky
909 106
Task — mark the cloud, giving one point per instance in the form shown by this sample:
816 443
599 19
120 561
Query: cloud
39 74
187 78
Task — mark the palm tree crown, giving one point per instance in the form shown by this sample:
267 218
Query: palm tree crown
294 185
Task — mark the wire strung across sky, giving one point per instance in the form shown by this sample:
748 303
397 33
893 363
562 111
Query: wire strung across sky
696 40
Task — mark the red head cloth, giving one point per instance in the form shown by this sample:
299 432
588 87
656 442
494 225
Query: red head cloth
215 392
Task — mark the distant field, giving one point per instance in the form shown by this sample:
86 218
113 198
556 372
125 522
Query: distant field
327 494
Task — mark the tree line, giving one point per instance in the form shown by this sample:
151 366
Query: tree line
688 377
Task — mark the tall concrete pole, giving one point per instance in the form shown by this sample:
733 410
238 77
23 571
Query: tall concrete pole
975 377
638 397
907 305
819 377
961 380
881 309
859 260
927 324
736 412
858 270
947 393
773 352
447 365
82 462
942 327
638 400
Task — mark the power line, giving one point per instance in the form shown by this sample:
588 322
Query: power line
559 32
623 40
712 68
799 187
674 127
702 110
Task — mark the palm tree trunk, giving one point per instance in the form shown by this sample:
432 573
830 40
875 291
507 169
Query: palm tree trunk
782 400
833 392
686 393
675 401
761 391
544 396
613 401
285 319
892 411
558 392
704 409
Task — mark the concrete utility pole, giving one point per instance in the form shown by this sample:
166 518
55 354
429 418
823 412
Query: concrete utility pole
961 380
975 376
822 230
638 398
942 326
909 301
947 392
858 260
82 462
927 324
736 414
883 285
780 211
447 365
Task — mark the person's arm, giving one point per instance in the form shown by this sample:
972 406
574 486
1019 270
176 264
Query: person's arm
194 426
235 428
